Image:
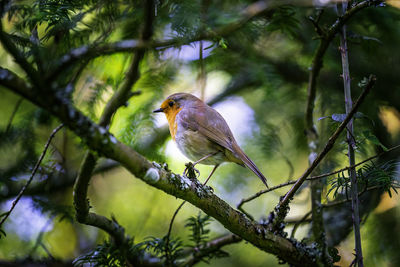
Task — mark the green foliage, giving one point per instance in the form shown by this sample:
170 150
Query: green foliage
106 254
341 183
158 246
266 60
199 235
383 175
185 18
47 206
370 175
368 135
199 232
284 20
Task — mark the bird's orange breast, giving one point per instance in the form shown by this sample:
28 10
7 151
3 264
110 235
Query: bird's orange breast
171 117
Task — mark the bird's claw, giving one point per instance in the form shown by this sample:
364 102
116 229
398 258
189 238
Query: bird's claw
190 171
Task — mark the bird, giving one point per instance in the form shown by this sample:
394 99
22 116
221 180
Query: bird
202 134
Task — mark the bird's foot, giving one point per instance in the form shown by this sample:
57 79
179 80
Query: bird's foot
190 171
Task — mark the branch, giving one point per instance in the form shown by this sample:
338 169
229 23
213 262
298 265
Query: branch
319 54
198 253
340 202
351 143
100 140
36 262
298 223
245 200
119 99
167 237
285 201
15 202
14 112
53 183
18 57
90 52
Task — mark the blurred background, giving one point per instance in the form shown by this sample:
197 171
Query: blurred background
256 77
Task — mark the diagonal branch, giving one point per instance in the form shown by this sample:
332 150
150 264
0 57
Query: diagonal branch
15 202
258 194
196 254
317 62
18 57
289 195
100 140
90 52
351 143
119 99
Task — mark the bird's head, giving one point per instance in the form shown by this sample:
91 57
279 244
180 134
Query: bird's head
174 103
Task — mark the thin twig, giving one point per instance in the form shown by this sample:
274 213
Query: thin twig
119 98
351 142
245 200
198 253
88 52
16 107
202 74
167 258
320 52
329 144
15 202
297 224
19 57
333 204
168 236
340 202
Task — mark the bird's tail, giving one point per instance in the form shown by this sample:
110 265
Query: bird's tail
249 163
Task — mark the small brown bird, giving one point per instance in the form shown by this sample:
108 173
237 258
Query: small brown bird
202 134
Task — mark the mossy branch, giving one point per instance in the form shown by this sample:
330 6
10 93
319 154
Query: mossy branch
99 140
120 97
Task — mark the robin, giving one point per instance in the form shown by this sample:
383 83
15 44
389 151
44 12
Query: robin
202 134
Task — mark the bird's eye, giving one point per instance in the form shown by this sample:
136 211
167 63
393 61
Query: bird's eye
171 103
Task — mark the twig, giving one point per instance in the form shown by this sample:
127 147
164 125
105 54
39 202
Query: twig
91 52
202 74
337 203
119 99
332 204
167 258
106 145
317 227
245 200
19 58
350 143
320 52
197 253
285 201
297 224
16 107
256 195
167 237
15 202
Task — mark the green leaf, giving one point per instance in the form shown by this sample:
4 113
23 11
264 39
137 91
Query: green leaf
373 139
223 43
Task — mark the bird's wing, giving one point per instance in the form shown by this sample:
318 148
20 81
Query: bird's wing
211 124
208 122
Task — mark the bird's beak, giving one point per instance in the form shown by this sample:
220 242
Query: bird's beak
158 110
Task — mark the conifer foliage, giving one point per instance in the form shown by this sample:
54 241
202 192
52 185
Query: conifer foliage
98 68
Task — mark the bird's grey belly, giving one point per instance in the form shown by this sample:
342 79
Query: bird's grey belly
195 146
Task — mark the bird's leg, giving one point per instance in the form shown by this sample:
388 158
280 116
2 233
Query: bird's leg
190 171
205 157
211 173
